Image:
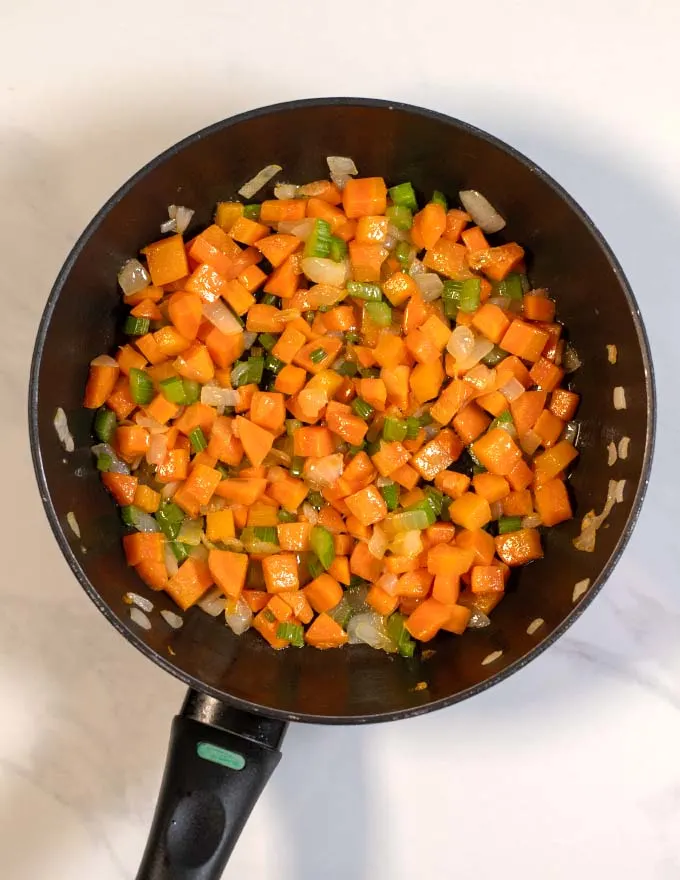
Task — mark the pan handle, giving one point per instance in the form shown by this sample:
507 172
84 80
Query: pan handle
219 760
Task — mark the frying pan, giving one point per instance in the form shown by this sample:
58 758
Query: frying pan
225 741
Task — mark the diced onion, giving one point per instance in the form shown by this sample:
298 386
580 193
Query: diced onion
570 432
172 619
182 217
619 397
103 361
480 349
117 466
213 602
168 226
237 615
591 523
370 628
143 521
310 514
321 270
249 338
430 285
530 442
481 377
377 545
153 426
62 429
158 449
301 229
286 190
190 532
277 456
133 277
531 521
170 560
322 473
481 210
612 454
478 620
512 389
137 616
140 601
579 589
461 343
618 495
408 543
324 295
201 553
256 183
73 523
341 169
612 354
388 582
416 268
624 443
492 657
220 398
220 316
169 490
571 361
535 624
501 301
311 401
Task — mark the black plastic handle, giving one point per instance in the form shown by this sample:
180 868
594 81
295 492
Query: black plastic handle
219 760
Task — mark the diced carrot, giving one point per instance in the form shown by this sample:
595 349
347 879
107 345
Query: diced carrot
428 226
422 348
390 351
297 601
330 346
527 341
228 571
131 441
314 441
154 574
548 427
564 404
167 260
546 375
373 391
350 427
366 260
555 344
143 546
339 569
406 476
149 348
290 380
520 476
248 231
448 258
281 573
452 483
147 499
553 461
417 311
223 444
360 471
227 213
170 341
242 491
100 384
256 440
219 526
518 503
470 511
129 359
322 189
245 397
491 486
494 402
497 262
474 239
263 513
294 536
267 625
190 583
276 210
399 287
155 294
325 633
408 604
538 307
446 588
449 560
215 248
491 321
161 409
438 454
174 468
362 562
364 196
470 423
456 220
371 230
381 601
367 505
289 344
289 493
526 409
426 621
458 621
197 415
440 533
479 542
518 548
323 593
277 248
223 349
256 600
201 483
263 319
497 451
401 564
511 367
390 457
268 410
452 399
121 486
552 502
437 330
414 583
252 278
195 363
487 579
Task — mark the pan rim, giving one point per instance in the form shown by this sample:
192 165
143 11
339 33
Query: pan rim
135 639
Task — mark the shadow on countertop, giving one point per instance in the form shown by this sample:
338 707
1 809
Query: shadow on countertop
90 717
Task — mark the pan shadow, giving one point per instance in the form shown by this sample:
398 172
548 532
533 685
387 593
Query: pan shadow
92 717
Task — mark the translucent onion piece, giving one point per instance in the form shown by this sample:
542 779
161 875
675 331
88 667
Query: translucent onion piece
256 183
249 338
182 217
190 532
170 560
481 377
461 343
591 523
408 543
341 168
152 425
478 620
624 443
416 268
531 521
571 361
388 582
201 553
619 397
213 602
137 616
377 545
492 657
158 449
612 354
530 442
117 466
322 473
133 277
172 619
276 456
286 190
62 429
310 514
430 285
570 432
481 210
169 490
104 361
480 350
238 616
311 401
300 228
324 271
512 389
535 625
501 301
73 523
143 521
218 397
168 226
580 589
140 601
220 316
612 454
370 628
325 295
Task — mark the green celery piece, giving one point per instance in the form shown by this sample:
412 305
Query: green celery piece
321 542
404 196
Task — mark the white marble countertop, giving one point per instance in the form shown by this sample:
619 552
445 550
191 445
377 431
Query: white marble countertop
570 768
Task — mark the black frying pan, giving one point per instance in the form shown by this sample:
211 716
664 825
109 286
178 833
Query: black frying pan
225 742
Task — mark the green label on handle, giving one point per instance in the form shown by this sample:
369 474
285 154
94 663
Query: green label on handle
218 755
